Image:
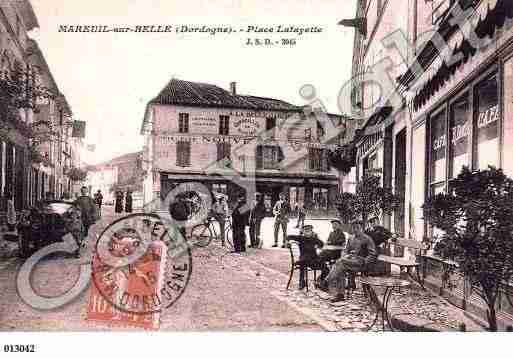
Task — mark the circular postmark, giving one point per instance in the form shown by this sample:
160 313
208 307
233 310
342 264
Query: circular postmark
141 264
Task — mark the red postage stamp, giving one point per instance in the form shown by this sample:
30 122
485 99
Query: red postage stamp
127 296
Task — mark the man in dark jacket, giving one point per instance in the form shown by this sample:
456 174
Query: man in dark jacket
180 211
239 223
336 238
98 199
308 243
360 255
256 214
88 208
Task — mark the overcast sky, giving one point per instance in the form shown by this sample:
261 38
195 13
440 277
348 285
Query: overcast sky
109 77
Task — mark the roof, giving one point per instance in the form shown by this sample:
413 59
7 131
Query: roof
187 93
129 157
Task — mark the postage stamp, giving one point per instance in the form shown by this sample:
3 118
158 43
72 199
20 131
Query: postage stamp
137 272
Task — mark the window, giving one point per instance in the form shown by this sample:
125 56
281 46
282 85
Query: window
268 157
224 125
459 136
486 126
318 160
224 155
183 123
183 153
437 153
270 126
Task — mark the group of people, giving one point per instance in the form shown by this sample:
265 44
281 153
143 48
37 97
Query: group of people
252 218
126 198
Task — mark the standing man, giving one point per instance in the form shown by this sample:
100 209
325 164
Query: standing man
128 201
360 255
88 209
281 212
119 202
301 215
239 222
256 214
220 211
98 199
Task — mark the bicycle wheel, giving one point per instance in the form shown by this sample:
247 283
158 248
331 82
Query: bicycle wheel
228 236
201 235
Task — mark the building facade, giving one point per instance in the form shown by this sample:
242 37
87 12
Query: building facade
452 104
35 131
201 133
121 173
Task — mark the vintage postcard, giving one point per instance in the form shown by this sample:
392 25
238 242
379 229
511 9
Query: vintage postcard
255 166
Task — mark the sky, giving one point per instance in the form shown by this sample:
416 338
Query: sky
108 78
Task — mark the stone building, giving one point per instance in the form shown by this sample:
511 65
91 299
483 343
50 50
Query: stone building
451 101
36 147
198 132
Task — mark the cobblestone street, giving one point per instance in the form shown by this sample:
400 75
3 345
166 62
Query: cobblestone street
225 292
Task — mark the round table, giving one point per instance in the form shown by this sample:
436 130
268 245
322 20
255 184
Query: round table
389 283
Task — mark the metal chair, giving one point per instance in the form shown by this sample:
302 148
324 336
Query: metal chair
297 250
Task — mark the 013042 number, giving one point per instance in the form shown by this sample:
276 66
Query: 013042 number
19 348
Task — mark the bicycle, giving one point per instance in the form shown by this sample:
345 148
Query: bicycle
202 234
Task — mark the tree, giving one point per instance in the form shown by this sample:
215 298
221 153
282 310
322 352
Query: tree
343 158
476 218
369 200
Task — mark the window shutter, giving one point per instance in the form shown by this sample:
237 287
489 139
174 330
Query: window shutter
187 151
259 157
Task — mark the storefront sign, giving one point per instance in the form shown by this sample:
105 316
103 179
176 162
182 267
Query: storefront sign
439 143
200 123
460 132
247 126
489 116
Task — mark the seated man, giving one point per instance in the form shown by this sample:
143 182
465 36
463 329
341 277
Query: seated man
336 238
308 242
360 255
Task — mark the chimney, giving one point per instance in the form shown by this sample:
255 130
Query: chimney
233 88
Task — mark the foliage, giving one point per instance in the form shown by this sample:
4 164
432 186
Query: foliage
18 91
77 174
369 200
343 158
35 155
477 223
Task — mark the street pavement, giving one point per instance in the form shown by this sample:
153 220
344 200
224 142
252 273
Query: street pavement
225 292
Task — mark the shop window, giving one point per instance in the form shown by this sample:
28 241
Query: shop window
183 123
268 157
224 155
183 154
224 125
437 153
486 126
459 136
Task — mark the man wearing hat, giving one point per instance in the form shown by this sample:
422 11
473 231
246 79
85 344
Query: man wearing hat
309 242
360 255
256 214
239 223
337 237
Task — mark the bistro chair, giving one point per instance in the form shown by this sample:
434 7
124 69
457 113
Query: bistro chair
298 250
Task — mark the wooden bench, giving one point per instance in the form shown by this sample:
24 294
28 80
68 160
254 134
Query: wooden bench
406 264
